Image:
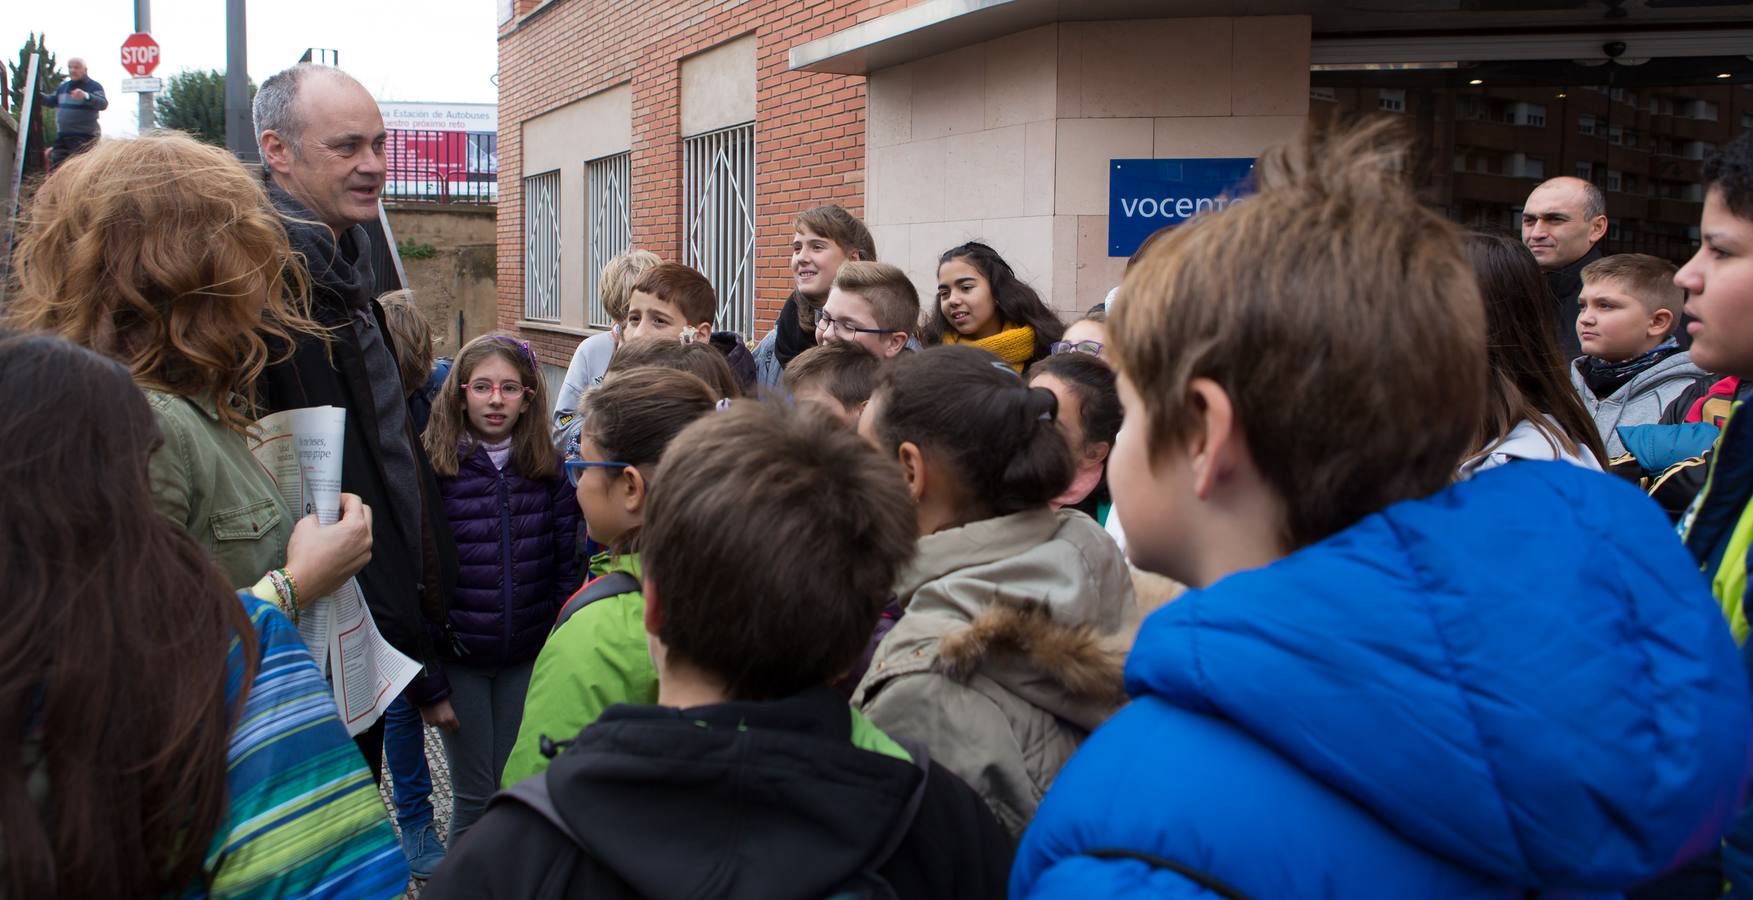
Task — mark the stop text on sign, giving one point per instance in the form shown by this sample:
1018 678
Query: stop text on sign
1146 195
140 54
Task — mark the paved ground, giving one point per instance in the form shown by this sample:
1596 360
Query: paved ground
440 794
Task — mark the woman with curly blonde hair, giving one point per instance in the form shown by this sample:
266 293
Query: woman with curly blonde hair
163 253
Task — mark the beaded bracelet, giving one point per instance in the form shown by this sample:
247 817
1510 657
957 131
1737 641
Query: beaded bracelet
287 591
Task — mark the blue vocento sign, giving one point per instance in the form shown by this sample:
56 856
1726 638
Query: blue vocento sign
1145 195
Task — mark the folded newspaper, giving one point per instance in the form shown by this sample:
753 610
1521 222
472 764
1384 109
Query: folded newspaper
301 449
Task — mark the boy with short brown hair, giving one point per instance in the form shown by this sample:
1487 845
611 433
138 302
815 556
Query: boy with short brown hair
675 301
837 377
871 304
752 777
1427 688
671 300
1632 367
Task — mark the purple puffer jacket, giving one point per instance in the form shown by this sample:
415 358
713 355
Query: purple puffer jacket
516 560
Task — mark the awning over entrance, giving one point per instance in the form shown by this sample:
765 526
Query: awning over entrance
939 26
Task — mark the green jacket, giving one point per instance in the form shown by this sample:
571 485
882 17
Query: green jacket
205 479
595 660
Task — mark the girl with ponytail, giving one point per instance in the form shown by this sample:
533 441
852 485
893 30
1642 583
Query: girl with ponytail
1017 616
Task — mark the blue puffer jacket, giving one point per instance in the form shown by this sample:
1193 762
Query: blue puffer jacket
1519 683
515 541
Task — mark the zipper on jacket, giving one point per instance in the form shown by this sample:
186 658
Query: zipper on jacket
505 575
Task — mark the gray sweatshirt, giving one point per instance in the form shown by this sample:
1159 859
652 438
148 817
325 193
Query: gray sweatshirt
1639 401
73 115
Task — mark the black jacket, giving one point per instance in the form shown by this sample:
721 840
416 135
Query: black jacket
1566 285
413 564
737 800
738 357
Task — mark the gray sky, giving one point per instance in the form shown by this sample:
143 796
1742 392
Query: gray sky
433 50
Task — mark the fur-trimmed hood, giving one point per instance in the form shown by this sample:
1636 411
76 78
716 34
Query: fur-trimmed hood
1069 670
1040 602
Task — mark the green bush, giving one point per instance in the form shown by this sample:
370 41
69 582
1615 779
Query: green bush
411 250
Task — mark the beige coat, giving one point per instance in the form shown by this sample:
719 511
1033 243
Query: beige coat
1009 654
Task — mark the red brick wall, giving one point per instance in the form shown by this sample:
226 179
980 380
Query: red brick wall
809 128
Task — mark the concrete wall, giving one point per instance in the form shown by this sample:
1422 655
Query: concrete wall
597 126
1008 141
718 87
460 278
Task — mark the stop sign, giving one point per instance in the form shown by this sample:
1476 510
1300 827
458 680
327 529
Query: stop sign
140 54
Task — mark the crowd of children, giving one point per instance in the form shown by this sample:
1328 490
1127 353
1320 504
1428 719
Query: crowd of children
870 608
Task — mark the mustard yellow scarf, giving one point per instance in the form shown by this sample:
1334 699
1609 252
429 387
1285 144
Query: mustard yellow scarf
1015 344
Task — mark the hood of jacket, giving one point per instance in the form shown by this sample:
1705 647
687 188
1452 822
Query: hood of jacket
737 356
1640 401
1676 367
1571 714
736 800
1039 601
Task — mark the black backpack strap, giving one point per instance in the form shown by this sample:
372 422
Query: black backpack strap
533 793
1209 882
904 821
610 585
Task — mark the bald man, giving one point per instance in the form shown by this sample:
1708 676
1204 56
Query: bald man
322 144
1562 224
76 103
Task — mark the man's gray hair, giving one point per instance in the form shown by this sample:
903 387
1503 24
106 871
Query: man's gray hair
1594 202
277 101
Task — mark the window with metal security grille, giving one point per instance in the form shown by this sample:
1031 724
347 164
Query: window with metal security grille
718 219
610 226
541 247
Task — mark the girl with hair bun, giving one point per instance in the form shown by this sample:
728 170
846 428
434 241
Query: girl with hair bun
1017 616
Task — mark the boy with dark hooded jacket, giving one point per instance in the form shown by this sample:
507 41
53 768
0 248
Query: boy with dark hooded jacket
751 778
1718 528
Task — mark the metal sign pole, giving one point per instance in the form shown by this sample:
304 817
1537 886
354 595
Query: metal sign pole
240 137
27 110
389 239
143 25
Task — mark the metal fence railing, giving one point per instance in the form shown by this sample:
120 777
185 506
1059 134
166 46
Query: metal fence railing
442 166
541 247
718 225
611 216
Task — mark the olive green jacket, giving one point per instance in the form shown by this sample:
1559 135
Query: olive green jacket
205 479
1010 652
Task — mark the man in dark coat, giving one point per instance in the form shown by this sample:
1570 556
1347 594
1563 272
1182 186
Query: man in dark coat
76 103
322 145
1563 222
